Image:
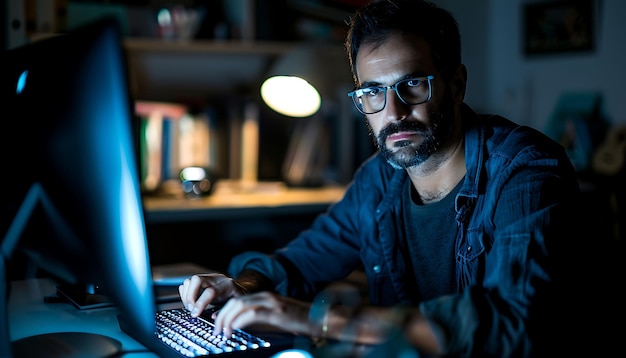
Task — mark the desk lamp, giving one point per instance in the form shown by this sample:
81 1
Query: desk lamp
309 84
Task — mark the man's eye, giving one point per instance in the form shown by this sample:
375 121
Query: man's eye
414 82
372 91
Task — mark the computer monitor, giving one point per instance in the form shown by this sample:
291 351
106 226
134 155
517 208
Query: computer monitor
70 195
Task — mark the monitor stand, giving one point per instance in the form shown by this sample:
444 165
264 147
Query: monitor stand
66 344
83 298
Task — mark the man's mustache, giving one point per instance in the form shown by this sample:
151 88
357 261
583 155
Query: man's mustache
393 128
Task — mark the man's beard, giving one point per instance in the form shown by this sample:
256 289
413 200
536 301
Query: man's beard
410 154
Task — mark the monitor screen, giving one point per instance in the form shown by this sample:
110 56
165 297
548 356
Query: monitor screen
70 198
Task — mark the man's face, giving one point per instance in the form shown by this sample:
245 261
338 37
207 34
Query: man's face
407 135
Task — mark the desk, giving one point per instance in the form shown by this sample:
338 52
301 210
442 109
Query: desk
210 230
29 315
228 202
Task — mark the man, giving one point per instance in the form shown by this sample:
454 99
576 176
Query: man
461 222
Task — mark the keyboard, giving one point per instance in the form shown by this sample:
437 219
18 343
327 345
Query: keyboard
195 337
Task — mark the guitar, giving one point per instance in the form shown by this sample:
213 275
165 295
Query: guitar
608 159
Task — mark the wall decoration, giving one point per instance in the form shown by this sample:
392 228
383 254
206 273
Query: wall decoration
559 26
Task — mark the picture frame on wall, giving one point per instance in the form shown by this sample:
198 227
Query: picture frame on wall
559 27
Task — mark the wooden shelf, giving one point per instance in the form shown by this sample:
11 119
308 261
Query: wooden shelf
268 48
231 201
193 71
196 70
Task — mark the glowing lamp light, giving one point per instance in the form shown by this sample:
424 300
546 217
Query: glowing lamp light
291 96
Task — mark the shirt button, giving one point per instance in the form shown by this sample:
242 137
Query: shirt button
376 268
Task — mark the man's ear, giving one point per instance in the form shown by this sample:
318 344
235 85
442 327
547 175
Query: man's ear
459 83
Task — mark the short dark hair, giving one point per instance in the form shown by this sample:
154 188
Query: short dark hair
376 21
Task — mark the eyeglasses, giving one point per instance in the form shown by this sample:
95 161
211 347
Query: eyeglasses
412 91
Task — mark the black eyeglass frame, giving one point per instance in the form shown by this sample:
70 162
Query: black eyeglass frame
393 87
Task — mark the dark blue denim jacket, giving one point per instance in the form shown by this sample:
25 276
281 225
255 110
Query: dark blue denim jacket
512 213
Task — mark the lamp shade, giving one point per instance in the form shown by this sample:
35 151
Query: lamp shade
310 81
299 82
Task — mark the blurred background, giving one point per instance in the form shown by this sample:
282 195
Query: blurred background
197 67
523 57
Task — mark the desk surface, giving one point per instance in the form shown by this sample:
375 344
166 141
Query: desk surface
229 201
29 315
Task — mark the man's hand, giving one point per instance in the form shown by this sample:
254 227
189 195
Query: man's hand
200 291
264 307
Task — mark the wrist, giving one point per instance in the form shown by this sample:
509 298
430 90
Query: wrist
318 317
250 281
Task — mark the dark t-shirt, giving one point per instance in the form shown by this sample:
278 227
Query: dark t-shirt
430 231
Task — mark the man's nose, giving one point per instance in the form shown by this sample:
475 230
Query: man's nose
395 108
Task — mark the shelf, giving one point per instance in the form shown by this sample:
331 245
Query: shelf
229 201
268 48
193 71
